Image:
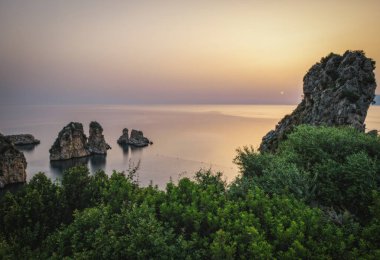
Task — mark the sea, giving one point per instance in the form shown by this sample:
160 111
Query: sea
186 138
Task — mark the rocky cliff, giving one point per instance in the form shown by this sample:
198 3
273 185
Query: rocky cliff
96 142
337 91
12 163
70 143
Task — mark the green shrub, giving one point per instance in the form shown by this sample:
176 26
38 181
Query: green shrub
200 219
332 167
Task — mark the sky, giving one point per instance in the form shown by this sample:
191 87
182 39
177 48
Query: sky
174 52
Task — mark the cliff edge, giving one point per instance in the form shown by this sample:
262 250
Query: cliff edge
337 91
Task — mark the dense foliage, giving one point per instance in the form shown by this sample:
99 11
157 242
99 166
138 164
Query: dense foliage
338 168
318 197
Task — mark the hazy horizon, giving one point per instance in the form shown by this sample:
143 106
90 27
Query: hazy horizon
172 52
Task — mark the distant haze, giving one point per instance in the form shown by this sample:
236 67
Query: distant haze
143 52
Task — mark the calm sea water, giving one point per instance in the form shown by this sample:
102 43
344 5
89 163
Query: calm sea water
186 138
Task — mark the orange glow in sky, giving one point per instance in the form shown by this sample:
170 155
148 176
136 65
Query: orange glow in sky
174 51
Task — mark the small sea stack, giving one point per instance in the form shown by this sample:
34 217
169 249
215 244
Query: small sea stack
124 138
23 139
136 138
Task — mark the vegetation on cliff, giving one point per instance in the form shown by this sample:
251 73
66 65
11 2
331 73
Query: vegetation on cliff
317 197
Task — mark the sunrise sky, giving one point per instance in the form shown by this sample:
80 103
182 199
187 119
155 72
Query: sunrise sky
154 52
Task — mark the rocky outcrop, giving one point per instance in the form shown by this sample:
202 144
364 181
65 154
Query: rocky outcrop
96 142
136 139
70 143
23 139
12 163
124 138
337 91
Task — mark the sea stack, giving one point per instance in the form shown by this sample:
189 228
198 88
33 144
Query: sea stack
124 138
136 139
70 143
23 139
12 163
337 92
96 142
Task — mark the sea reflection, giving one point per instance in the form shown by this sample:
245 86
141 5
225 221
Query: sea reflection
130 150
98 162
125 149
132 156
94 162
58 167
136 151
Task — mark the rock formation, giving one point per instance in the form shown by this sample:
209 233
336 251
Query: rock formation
96 143
124 138
12 163
22 139
337 91
70 143
136 139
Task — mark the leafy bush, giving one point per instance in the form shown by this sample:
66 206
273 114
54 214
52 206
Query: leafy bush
332 167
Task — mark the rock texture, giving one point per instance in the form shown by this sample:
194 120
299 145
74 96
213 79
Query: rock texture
96 142
337 91
124 138
12 163
136 139
22 139
70 143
